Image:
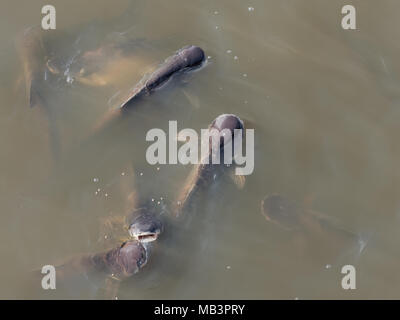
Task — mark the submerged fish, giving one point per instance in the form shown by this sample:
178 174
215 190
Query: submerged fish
186 59
120 262
45 69
311 231
116 264
39 82
203 174
291 216
33 57
112 63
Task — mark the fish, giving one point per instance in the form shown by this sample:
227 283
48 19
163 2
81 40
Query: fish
186 59
203 173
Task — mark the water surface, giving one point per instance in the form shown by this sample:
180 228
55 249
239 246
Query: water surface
324 105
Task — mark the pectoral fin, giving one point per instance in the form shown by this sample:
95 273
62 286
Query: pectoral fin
193 100
111 288
238 180
33 94
127 189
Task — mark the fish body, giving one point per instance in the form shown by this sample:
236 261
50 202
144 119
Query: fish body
33 59
204 173
188 57
185 59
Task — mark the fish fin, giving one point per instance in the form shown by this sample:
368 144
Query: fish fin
333 224
321 217
193 99
109 226
36 99
132 201
238 180
128 190
111 288
32 96
127 179
137 92
19 84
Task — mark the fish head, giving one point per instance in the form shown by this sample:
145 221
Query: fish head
193 56
222 131
146 227
281 211
131 257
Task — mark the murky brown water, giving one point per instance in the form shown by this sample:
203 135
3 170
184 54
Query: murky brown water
324 105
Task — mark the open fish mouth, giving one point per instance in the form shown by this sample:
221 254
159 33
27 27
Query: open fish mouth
145 228
146 237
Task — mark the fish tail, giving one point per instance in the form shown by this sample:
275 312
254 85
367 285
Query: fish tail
34 96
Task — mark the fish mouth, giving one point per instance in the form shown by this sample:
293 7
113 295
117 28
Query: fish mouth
146 237
145 228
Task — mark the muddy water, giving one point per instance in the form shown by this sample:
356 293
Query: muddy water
324 105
